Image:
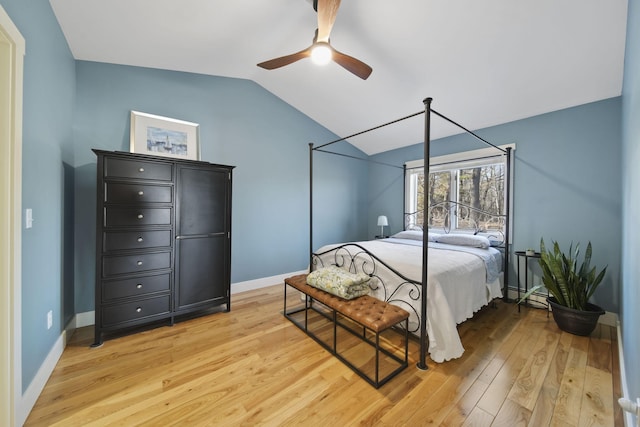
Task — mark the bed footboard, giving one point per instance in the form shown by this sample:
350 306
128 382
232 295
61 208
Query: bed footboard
386 283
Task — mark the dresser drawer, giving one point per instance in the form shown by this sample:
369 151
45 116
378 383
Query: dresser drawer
117 217
139 169
138 286
136 310
114 265
137 193
119 240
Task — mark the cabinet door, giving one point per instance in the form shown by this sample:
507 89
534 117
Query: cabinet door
203 201
202 272
202 264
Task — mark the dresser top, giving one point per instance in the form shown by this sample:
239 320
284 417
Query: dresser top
148 157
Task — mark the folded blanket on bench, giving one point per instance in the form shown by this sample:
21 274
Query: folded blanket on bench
339 282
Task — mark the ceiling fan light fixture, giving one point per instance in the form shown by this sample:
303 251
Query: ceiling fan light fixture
321 53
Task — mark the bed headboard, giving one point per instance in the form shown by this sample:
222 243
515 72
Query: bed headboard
449 215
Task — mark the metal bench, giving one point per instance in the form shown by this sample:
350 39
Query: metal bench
370 313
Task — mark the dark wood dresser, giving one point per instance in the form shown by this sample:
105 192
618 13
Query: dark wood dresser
163 240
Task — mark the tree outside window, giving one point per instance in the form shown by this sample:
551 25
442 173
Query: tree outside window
480 187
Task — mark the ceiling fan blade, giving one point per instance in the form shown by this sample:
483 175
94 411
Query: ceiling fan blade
272 64
352 64
327 12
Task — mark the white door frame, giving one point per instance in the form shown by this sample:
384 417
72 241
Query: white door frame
12 50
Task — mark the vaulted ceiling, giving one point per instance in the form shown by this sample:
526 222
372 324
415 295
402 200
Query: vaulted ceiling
483 62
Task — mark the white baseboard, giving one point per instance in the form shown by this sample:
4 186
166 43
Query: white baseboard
250 285
513 295
85 319
32 393
609 318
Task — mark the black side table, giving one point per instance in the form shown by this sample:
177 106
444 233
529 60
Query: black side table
520 255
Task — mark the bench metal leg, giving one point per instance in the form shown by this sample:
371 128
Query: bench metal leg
377 357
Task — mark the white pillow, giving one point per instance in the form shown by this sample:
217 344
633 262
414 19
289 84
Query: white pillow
414 235
464 240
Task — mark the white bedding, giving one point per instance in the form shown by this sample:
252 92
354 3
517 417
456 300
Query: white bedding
457 287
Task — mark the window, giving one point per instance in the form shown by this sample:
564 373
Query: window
474 179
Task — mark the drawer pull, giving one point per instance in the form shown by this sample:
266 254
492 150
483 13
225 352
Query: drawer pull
141 170
140 239
139 310
140 193
140 216
139 263
139 286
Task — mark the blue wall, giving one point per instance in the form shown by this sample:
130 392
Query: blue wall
630 295
49 96
567 182
241 124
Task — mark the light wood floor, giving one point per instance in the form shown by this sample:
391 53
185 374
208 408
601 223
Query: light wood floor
251 366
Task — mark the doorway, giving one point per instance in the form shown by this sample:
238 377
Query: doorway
12 49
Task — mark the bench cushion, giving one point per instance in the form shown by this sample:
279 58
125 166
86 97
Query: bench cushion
366 310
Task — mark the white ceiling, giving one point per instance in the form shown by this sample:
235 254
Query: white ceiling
483 62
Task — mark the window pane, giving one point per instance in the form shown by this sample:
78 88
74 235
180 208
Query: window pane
481 188
418 218
439 191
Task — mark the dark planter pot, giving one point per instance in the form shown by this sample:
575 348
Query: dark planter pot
575 322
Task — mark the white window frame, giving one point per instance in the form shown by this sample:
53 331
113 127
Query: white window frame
462 160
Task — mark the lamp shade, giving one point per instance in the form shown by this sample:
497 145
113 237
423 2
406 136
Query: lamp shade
382 221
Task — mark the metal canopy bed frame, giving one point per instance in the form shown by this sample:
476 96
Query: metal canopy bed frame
371 258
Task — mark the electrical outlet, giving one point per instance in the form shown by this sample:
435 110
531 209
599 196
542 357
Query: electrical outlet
49 319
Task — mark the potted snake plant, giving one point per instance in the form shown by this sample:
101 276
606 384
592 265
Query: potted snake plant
571 284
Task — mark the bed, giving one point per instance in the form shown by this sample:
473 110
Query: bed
439 281
464 275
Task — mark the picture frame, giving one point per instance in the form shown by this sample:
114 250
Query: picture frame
164 136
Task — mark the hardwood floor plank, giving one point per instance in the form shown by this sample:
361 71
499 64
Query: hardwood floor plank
465 406
615 374
597 406
512 414
449 394
569 401
252 366
599 349
425 391
523 339
526 388
478 418
543 410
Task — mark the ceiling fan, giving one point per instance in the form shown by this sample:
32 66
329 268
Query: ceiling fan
320 48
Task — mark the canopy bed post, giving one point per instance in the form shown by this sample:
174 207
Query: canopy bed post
310 205
422 364
404 192
507 224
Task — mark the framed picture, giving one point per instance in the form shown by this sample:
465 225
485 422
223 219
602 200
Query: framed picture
162 136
